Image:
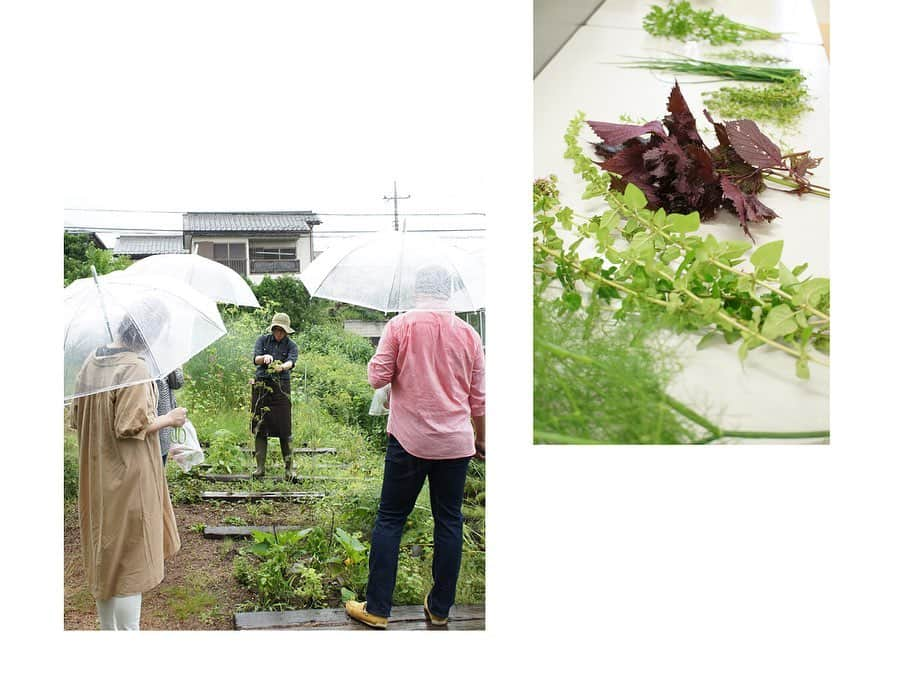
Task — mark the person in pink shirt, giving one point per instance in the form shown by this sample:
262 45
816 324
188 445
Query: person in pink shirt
434 362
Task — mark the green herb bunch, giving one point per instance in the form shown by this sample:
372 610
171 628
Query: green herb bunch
654 261
780 104
724 71
679 20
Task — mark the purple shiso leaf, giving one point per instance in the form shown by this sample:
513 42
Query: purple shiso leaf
753 146
617 134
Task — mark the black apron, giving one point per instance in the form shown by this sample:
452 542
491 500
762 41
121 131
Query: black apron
271 407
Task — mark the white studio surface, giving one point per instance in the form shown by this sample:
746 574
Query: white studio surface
763 392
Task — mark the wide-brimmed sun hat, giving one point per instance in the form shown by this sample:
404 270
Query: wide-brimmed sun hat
281 320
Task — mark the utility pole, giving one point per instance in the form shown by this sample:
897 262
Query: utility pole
395 198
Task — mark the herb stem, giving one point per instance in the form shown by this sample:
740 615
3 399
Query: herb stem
814 189
715 431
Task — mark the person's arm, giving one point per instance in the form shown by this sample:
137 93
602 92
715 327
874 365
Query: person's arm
381 366
292 358
176 417
477 399
259 358
478 423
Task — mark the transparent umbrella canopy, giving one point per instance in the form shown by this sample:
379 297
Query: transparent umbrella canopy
205 276
380 272
163 320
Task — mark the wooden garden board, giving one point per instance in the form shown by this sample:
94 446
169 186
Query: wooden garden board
462 617
236 496
305 451
244 531
238 477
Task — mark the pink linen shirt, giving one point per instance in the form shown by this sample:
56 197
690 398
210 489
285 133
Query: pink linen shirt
434 362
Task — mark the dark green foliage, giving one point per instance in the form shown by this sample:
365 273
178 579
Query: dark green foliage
79 253
333 340
287 294
70 467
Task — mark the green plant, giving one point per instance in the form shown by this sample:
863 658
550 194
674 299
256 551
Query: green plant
748 56
80 253
70 467
681 21
725 71
412 576
224 454
308 588
780 103
264 507
652 261
236 521
198 527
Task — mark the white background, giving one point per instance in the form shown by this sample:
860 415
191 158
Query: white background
615 560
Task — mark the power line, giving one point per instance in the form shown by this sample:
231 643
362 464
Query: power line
316 213
316 233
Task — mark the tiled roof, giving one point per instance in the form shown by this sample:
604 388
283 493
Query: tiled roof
264 221
144 245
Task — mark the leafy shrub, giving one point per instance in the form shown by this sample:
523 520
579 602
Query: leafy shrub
289 295
334 340
413 580
70 467
225 455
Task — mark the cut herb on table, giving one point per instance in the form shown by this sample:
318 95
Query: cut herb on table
679 20
650 261
724 71
676 171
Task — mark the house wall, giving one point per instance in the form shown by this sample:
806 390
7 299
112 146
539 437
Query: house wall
303 248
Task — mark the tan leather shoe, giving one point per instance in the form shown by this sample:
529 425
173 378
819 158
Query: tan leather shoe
357 610
435 620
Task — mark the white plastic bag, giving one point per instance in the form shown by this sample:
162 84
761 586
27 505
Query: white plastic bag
381 401
185 448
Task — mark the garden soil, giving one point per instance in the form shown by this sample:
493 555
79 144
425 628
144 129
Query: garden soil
199 591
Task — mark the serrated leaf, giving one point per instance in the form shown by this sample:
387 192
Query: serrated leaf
752 145
779 322
767 255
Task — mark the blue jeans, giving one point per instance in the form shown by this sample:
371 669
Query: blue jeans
404 476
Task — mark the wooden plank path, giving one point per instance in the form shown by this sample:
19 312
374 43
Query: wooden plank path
239 477
462 617
237 496
302 451
245 531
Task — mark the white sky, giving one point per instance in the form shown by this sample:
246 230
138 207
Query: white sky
313 107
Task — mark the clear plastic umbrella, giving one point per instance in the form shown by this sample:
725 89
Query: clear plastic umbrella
161 319
398 271
212 279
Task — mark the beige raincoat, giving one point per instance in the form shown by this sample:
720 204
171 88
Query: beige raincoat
127 522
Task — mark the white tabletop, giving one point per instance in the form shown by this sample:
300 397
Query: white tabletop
762 393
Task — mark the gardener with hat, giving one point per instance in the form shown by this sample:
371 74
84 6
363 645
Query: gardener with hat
274 355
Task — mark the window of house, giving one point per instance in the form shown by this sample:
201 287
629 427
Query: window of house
273 257
231 255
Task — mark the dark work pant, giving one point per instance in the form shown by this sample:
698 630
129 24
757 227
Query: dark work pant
404 476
